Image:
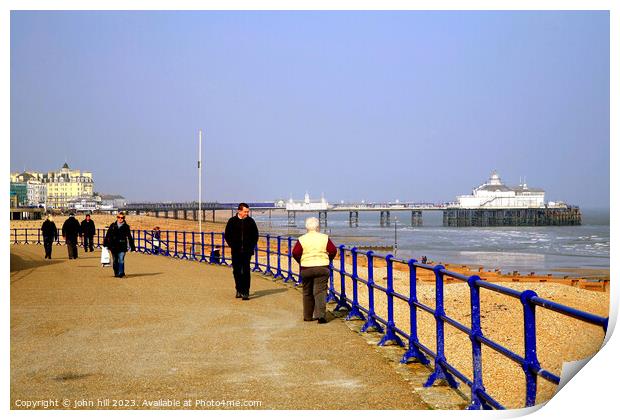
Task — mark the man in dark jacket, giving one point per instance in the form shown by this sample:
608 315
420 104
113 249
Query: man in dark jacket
88 231
50 234
70 233
241 235
116 239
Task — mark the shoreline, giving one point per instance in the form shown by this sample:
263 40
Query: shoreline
142 222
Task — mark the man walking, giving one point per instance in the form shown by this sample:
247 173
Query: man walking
116 239
241 235
50 234
70 233
88 232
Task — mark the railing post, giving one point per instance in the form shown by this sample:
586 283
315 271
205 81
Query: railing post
268 271
193 247
38 236
371 322
390 333
476 402
212 246
58 236
202 247
139 241
184 256
289 276
15 236
224 250
256 264
26 237
167 243
98 238
176 243
531 365
331 292
413 351
342 299
278 274
355 306
440 372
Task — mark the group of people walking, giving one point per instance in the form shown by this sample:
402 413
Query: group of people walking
71 230
314 252
118 239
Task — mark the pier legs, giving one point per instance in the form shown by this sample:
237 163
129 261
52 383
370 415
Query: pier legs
416 218
291 218
353 218
323 218
384 218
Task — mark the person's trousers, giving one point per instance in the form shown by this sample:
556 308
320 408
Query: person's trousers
241 271
88 243
118 263
72 248
48 241
314 281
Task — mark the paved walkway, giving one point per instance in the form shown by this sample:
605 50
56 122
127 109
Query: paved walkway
171 330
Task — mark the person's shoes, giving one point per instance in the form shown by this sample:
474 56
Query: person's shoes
238 295
245 297
121 275
322 321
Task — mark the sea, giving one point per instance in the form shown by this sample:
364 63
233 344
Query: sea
560 250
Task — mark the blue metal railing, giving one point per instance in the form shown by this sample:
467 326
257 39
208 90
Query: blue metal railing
175 244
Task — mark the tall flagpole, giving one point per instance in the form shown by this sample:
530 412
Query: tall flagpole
199 182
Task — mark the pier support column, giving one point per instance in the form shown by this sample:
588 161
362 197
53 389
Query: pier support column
291 218
323 218
213 215
416 218
353 219
384 218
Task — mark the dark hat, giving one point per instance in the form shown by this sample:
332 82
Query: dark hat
72 214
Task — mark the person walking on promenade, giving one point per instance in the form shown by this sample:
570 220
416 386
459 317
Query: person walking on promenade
156 240
88 232
241 235
116 239
50 234
70 232
314 251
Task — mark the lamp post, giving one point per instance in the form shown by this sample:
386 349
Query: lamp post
199 181
395 235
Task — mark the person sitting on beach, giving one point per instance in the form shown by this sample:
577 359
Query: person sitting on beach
156 240
314 251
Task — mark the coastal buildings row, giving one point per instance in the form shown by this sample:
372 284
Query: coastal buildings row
65 189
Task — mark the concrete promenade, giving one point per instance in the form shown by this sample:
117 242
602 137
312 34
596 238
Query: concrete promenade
172 329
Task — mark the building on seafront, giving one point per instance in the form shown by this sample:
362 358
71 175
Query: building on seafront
52 189
307 204
495 194
496 204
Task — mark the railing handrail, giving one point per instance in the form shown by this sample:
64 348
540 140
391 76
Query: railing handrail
480 398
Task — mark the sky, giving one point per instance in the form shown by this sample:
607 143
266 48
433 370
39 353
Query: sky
358 105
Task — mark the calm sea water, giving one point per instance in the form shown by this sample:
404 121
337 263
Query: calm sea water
549 249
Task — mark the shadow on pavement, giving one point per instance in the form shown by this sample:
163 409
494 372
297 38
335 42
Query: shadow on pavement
20 264
261 293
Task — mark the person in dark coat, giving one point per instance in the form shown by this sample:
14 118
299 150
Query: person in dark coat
50 234
116 239
88 232
70 232
241 235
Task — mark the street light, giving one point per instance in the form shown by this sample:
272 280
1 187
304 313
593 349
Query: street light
395 235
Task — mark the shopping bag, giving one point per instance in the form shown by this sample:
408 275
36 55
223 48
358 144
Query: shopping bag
105 257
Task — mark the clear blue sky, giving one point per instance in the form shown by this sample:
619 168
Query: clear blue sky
359 105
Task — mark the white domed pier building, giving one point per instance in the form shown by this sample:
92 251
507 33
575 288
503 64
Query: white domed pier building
496 204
